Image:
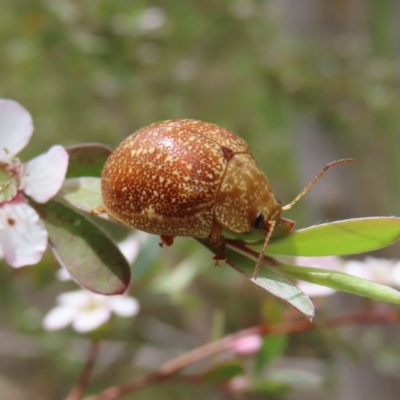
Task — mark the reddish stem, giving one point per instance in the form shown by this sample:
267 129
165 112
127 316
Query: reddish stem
173 366
77 391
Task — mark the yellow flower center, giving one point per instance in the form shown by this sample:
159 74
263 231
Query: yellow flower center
9 180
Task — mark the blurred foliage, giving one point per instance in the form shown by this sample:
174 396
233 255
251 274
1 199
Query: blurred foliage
267 70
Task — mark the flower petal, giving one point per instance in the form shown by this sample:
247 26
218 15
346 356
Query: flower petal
63 274
247 345
313 290
358 268
45 174
326 262
23 236
89 320
16 127
130 247
124 306
58 318
75 298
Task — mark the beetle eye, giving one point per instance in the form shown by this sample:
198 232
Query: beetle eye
278 199
259 222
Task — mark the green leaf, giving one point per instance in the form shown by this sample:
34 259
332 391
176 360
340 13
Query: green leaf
148 252
268 280
296 377
84 193
268 386
90 256
87 159
285 290
224 371
177 280
337 238
272 347
254 235
344 282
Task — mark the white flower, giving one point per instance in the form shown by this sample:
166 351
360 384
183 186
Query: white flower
87 311
380 270
327 262
361 269
130 246
23 237
314 290
152 18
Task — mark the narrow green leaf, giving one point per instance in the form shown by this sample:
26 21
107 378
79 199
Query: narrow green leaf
285 290
268 280
90 256
342 281
269 386
296 377
177 280
87 159
148 253
337 238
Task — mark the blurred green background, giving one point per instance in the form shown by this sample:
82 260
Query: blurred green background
304 82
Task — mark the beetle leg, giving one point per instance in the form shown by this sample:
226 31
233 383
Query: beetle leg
98 210
271 227
220 256
166 240
219 241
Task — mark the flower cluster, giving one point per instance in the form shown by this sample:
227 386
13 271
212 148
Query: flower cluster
23 237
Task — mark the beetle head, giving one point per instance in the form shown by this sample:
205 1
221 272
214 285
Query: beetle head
268 213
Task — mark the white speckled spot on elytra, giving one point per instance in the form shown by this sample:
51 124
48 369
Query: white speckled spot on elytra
150 210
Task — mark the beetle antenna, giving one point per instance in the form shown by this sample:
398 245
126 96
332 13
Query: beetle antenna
272 225
322 172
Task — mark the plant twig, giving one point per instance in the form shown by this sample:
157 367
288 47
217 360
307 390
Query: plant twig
173 366
77 391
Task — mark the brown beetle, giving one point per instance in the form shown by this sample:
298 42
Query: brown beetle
190 178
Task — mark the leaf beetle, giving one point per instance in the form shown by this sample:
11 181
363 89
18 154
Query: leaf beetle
185 177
